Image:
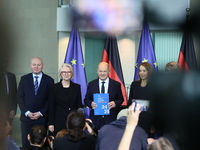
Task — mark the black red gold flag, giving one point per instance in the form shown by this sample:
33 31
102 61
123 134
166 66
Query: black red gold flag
111 56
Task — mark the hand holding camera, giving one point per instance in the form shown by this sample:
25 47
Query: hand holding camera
89 126
133 115
143 104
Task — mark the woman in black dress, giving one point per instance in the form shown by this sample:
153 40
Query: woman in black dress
139 90
64 97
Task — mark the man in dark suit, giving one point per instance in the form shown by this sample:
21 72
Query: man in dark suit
8 88
32 98
112 87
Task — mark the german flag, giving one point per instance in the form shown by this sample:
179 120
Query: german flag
111 56
187 59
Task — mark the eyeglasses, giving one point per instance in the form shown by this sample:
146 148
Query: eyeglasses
66 72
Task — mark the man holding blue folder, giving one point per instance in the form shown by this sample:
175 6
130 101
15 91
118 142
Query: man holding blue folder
104 84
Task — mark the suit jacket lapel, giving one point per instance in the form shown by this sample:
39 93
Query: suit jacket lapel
31 83
110 85
98 90
68 96
63 94
71 92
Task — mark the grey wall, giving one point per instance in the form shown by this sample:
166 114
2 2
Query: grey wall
28 29
32 26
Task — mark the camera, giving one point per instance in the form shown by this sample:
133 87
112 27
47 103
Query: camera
144 104
51 138
90 124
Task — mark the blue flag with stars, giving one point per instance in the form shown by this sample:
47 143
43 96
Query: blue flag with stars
145 51
74 56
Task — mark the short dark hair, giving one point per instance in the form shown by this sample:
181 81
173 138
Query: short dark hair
75 126
37 134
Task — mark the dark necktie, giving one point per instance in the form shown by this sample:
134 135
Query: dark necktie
36 84
102 87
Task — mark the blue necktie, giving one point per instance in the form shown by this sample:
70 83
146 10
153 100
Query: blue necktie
36 84
102 87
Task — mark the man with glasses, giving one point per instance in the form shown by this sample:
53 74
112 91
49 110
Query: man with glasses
104 84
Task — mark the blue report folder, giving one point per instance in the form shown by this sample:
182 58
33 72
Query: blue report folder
102 101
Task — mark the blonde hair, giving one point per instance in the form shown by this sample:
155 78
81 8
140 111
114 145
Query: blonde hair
172 66
61 133
69 66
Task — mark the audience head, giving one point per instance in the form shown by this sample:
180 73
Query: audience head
75 126
36 65
147 68
175 106
66 69
37 135
103 70
161 144
123 112
61 133
5 125
172 66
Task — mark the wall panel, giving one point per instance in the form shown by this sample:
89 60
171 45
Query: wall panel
167 47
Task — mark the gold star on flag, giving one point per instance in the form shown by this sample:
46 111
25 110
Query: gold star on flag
83 65
155 64
145 60
73 62
136 65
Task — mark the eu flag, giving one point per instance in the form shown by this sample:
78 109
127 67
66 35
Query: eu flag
146 50
111 56
74 56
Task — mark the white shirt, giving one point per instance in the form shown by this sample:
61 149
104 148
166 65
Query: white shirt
39 78
105 85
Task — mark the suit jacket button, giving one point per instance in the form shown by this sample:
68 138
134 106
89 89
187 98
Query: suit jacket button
69 108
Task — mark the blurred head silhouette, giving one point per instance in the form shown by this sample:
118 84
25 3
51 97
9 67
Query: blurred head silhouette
176 107
161 144
172 66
